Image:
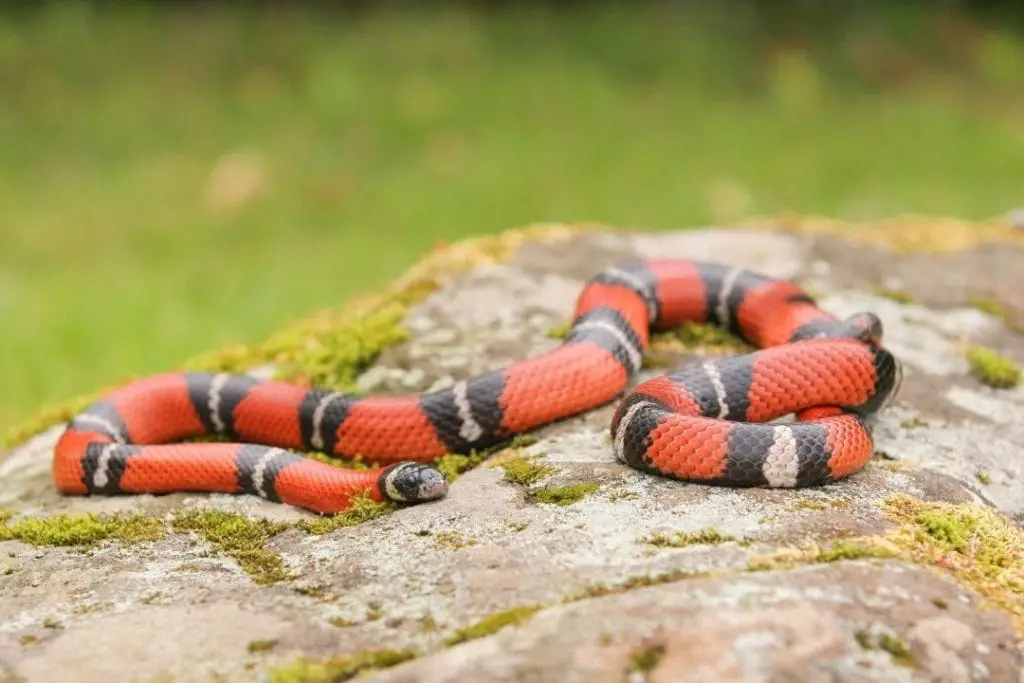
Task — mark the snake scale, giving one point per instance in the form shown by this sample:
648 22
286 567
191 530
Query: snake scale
711 422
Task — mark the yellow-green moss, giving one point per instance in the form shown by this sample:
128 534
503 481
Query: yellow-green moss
559 331
524 470
993 368
83 529
493 623
647 658
901 296
362 509
330 348
982 548
599 590
452 540
563 495
805 504
914 423
983 477
902 234
255 646
859 548
453 465
341 668
894 645
240 538
683 539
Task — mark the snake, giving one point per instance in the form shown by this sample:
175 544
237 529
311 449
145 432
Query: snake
719 420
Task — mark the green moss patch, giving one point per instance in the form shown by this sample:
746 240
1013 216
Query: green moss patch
493 623
859 548
683 539
454 465
599 590
982 548
255 646
992 368
240 538
83 529
563 495
525 471
647 658
900 296
363 509
341 668
452 541
894 645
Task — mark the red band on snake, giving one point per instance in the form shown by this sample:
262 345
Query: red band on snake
704 423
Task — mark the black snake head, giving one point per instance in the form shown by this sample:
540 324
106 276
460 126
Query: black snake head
413 482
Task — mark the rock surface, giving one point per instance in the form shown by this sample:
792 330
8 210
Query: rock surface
605 604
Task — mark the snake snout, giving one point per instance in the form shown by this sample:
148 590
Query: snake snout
864 326
414 482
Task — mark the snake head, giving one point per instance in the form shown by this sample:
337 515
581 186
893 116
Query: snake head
864 326
413 482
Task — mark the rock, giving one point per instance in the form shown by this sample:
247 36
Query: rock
635 578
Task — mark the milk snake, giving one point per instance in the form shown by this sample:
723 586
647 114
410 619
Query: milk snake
704 423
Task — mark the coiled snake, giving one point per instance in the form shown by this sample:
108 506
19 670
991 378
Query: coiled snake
703 423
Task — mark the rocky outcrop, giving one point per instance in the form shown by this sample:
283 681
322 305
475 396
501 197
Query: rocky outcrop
550 561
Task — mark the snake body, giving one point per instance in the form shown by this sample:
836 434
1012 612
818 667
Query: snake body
708 422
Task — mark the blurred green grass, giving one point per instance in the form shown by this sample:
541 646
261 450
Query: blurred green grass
176 179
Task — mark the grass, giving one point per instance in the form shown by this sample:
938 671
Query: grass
178 178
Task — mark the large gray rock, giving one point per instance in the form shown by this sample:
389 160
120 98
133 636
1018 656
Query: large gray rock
605 604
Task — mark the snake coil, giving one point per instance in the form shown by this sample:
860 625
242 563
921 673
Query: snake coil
707 422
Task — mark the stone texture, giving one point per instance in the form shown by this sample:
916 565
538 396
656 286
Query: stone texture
176 610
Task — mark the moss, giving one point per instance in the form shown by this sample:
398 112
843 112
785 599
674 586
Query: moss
859 548
524 471
805 504
518 526
940 602
363 509
453 465
983 477
341 668
83 529
683 539
901 296
339 622
978 545
452 540
255 646
563 495
427 623
240 538
888 642
992 368
647 658
28 639
902 234
559 331
493 623
854 550
330 348
914 423
689 337
599 590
